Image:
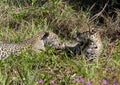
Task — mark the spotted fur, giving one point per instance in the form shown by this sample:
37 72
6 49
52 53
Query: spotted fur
7 49
36 44
88 42
94 45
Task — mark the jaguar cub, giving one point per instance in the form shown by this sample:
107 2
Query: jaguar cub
92 43
36 44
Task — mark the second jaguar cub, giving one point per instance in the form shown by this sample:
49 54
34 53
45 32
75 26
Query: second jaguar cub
90 42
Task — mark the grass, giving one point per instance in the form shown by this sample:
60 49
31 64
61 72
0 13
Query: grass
20 21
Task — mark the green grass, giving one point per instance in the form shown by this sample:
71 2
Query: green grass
20 21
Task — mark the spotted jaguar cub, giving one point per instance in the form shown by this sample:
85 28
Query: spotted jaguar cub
92 43
36 44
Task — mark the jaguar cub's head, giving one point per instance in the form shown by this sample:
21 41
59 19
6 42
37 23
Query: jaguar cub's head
94 35
91 35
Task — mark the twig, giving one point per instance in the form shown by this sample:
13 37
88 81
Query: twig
98 14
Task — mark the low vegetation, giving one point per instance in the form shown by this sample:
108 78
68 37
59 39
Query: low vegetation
21 20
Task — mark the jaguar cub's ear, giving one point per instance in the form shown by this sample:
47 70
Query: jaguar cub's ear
94 31
45 35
